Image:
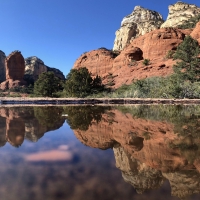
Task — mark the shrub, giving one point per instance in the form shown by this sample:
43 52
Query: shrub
146 62
170 54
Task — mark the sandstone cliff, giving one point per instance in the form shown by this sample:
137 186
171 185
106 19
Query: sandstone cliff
139 22
35 66
2 66
126 67
123 67
179 13
15 67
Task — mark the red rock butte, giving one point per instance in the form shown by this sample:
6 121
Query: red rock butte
126 66
15 68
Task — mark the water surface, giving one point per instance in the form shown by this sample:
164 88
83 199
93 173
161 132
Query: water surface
96 152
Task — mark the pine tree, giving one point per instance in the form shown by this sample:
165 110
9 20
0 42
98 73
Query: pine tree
47 84
188 68
79 83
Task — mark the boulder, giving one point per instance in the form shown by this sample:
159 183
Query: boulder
179 13
139 22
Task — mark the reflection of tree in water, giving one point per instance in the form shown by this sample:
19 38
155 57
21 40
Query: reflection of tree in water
169 113
50 117
81 117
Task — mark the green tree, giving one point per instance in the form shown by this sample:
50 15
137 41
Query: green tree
97 85
188 68
79 83
47 85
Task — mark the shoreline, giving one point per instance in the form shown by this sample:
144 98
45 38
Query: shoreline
91 101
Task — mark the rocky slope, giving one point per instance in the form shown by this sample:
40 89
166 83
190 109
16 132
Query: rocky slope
35 66
139 22
179 13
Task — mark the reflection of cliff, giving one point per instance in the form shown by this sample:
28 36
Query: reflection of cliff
31 123
147 150
138 174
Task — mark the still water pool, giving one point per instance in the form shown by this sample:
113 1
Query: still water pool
100 152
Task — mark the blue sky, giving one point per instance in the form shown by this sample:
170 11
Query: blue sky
59 31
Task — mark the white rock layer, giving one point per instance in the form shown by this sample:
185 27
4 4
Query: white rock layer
139 22
179 13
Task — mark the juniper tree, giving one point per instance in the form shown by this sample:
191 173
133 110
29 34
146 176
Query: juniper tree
188 68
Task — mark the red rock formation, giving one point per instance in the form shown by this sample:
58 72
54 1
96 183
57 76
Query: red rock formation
124 69
15 67
196 32
157 43
97 61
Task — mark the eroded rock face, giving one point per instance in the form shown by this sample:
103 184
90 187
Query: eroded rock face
196 32
157 43
35 66
122 69
139 22
15 67
179 13
98 61
2 66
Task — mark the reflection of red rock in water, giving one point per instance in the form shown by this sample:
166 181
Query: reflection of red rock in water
146 147
138 174
20 122
15 131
